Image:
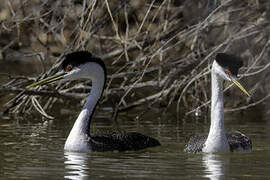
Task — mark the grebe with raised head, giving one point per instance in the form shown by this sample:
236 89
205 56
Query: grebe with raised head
225 67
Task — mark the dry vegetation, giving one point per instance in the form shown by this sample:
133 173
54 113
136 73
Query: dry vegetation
158 52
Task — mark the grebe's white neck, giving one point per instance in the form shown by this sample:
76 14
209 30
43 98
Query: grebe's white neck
80 133
216 140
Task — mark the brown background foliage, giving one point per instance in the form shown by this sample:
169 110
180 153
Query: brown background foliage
158 53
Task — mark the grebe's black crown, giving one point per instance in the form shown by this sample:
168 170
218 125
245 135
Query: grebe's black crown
81 57
230 62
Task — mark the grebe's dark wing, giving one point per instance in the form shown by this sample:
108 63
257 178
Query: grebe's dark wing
122 141
195 144
239 142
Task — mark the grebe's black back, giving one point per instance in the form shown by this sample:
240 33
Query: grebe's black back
238 142
225 67
83 65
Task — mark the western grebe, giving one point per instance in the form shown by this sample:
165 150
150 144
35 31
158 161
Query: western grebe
224 67
83 65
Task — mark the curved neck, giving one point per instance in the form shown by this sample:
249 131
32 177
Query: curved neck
216 140
82 124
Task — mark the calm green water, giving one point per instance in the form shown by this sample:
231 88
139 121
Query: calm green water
34 150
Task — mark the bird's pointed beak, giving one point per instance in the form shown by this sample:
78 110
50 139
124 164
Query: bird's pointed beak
51 79
240 86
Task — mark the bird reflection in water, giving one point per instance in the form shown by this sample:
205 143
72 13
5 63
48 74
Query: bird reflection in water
76 165
215 166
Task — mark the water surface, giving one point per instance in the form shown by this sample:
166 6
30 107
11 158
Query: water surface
33 149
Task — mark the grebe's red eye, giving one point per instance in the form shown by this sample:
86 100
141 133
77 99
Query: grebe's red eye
228 72
68 67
